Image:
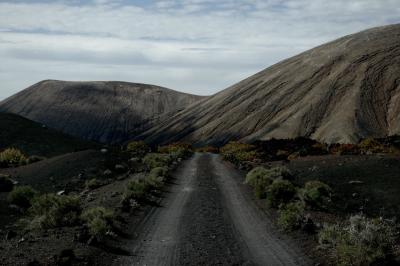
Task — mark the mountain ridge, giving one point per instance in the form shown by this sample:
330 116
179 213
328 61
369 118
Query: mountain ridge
340 91
104 111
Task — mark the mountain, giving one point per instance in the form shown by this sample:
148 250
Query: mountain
35 139
106 112
338 92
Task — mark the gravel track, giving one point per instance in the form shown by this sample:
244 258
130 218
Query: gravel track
207 219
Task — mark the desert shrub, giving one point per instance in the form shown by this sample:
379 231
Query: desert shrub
34 159
317 195
371 145
259 178
136 189
12 157
280 192
361 241
208 148
137 148
156 177
22 196
6 183
50 210
291 216
177 150
237 152
92 183
98 220
344 149
329 235
153 160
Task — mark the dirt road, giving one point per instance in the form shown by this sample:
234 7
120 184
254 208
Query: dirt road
207 219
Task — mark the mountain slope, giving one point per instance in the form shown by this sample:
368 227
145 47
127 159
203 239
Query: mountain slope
34 139
100 111
338 92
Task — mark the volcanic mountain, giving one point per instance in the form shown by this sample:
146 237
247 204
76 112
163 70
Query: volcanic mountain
107 112
338 92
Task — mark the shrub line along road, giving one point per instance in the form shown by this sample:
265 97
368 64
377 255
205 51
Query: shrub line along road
207 219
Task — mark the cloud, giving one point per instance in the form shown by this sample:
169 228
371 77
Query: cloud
199 46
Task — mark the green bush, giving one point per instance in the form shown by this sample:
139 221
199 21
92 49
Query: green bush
237 152
22 196
260 179
177 150
98 220
153 160
92 183
317 195
12 157
51 211
330 235
361 241
280 192
136 189
371 145
291 216
6 184
137 148
208 148
156 177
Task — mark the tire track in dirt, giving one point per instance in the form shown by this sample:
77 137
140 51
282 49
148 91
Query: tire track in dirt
207 219
265 245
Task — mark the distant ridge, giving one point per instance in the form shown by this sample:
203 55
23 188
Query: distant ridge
104 111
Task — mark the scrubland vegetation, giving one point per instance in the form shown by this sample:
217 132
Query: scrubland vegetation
347 239
242 154
158 165
359 240
237 152
141 171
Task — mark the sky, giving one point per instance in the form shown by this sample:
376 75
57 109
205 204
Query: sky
194 46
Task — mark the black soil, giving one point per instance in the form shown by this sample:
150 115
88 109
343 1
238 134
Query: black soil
208 235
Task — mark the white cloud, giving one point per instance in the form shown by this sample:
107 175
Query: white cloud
198 46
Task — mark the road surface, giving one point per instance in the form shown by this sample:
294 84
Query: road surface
207 219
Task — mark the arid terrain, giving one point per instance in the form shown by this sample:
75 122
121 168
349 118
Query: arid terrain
296 165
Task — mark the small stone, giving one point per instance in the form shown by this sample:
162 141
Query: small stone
356 182
107 172
119 167
134 160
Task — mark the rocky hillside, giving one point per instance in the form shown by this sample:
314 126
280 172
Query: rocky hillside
338 92
102 111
